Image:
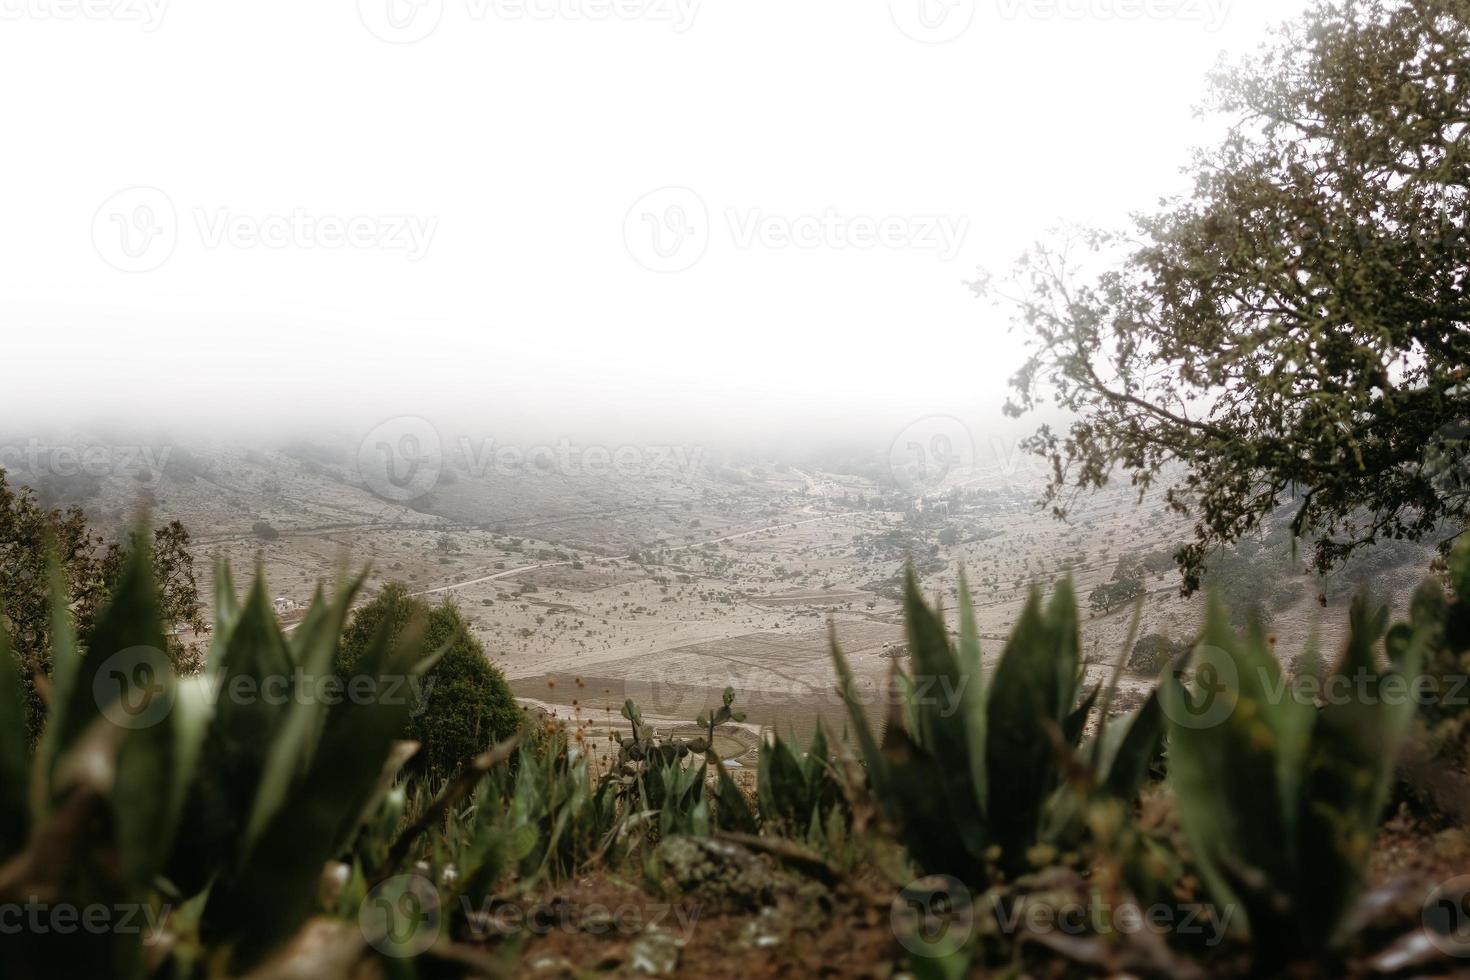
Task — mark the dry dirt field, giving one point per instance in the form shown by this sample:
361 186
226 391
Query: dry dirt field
669 587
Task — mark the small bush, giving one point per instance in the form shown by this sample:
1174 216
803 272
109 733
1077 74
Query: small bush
466 707
1152 653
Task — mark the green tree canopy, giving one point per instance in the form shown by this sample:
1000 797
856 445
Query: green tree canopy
467 706
90 566
1296 331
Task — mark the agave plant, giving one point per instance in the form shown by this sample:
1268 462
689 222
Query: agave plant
798 794
1279 797
965 768
147 789
570 817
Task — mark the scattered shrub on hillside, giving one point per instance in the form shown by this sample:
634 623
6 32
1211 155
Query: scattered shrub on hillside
1153 652
1109 596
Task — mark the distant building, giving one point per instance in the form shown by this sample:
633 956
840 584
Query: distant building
282 604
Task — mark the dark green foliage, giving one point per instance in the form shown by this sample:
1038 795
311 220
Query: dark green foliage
798 794
90 566
1444 619
967 770
1279 798
731 810
15 763
1110 595
467 705
1253 579
229 808
145 785
1153 652
661 779
1293 333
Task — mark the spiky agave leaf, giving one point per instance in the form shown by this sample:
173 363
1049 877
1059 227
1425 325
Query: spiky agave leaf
973 694
226 614
872 755
942 723
217 813
314 650
778 779
128 679
1278 798
732 811
1228 739
1029 700
65 665
1125 769
14 760
1347 771
272 891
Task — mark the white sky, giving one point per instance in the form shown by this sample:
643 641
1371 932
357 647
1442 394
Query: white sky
519 146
